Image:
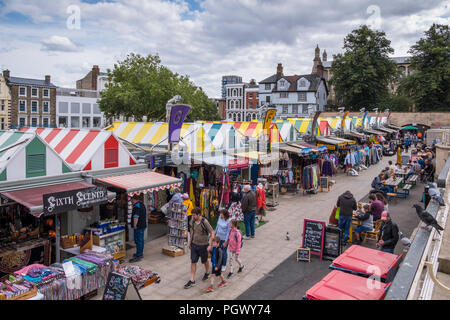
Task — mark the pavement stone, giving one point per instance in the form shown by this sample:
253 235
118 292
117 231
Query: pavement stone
260 255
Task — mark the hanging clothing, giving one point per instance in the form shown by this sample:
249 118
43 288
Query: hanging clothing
191 191
201 180
235 211
224 189
261 200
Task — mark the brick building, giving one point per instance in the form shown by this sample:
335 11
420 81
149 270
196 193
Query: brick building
33 101
94 80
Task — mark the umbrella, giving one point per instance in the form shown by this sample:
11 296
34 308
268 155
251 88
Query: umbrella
409 128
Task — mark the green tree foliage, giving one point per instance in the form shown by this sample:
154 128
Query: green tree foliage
429 84
396 103
361 74
140 86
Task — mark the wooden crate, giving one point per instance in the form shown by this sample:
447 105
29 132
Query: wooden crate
173 253
24 296
119 255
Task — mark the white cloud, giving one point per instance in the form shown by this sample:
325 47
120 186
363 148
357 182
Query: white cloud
59 44
244 37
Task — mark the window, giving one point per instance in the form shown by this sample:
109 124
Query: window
284 95
45 106
304 108
282 83
22 121
267 86
302 83
86 122
74 107
45 122
74 122
268 99
96 122
257 95
62 122
34 92
96 109
295 108
250 104
34 106
34 122
22 106
46 93
22 91
63 107
285 109
86 108
3 105
302 96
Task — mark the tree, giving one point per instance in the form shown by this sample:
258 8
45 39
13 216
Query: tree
140 86
429 84
396 103
361 74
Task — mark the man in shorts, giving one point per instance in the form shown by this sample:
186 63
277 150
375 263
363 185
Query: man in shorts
200 243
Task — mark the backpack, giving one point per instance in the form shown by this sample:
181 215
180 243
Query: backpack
202 224
236 239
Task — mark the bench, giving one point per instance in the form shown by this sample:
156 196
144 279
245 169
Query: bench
405 190
392 195
413 180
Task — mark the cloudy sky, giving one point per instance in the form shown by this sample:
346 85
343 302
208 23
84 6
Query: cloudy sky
204 39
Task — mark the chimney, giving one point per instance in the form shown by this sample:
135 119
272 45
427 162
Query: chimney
47 79
94 79
279 70
6 74
324 55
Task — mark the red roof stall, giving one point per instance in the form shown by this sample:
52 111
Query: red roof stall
338 285
367 262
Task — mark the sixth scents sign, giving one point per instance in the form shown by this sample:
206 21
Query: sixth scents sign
74 199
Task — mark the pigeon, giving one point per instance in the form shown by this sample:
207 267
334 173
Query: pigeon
404 240
427 218
434 193
287 236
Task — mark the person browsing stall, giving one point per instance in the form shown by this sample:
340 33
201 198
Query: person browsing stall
200 242
139 224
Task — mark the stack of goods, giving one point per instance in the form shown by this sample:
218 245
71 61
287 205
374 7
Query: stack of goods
15 288
177 215
39 274
137 274
107 226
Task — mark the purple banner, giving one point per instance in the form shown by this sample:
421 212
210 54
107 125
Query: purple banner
177 115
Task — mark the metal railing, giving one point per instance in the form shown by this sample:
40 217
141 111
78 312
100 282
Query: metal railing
405 281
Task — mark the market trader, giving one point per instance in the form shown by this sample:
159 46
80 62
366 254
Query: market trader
139 225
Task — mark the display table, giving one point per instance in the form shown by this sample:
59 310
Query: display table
76 250
38 296
114 243
17 256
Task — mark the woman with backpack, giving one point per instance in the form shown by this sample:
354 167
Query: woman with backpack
234 246
222 231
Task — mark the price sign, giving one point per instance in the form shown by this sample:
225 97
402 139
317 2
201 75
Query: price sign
313 236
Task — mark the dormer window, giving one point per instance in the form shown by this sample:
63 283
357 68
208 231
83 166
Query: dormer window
282 83
302 83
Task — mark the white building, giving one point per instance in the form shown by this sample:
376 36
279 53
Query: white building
241 102
77 108
293 96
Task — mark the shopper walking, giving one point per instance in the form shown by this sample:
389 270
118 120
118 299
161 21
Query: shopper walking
216 262
234 246
139 224
389 234
200 242
347 204
248 205
223 231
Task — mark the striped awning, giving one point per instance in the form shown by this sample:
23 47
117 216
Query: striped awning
10 143
141 182
156 133
78 147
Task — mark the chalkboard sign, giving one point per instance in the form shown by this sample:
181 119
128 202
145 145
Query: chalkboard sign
324 183
332 243
405 160
116 287
303 254
313 235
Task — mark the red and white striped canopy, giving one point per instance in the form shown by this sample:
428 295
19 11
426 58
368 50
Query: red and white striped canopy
85 149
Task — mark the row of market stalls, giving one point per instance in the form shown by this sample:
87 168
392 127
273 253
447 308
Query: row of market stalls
44 171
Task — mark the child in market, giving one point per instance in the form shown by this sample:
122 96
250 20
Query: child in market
216 261
234 246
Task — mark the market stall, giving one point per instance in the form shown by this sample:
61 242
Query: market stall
338 285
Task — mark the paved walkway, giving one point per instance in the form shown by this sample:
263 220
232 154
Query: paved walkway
260 255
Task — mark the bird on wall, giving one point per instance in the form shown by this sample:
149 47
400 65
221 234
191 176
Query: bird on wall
434 193
427 218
